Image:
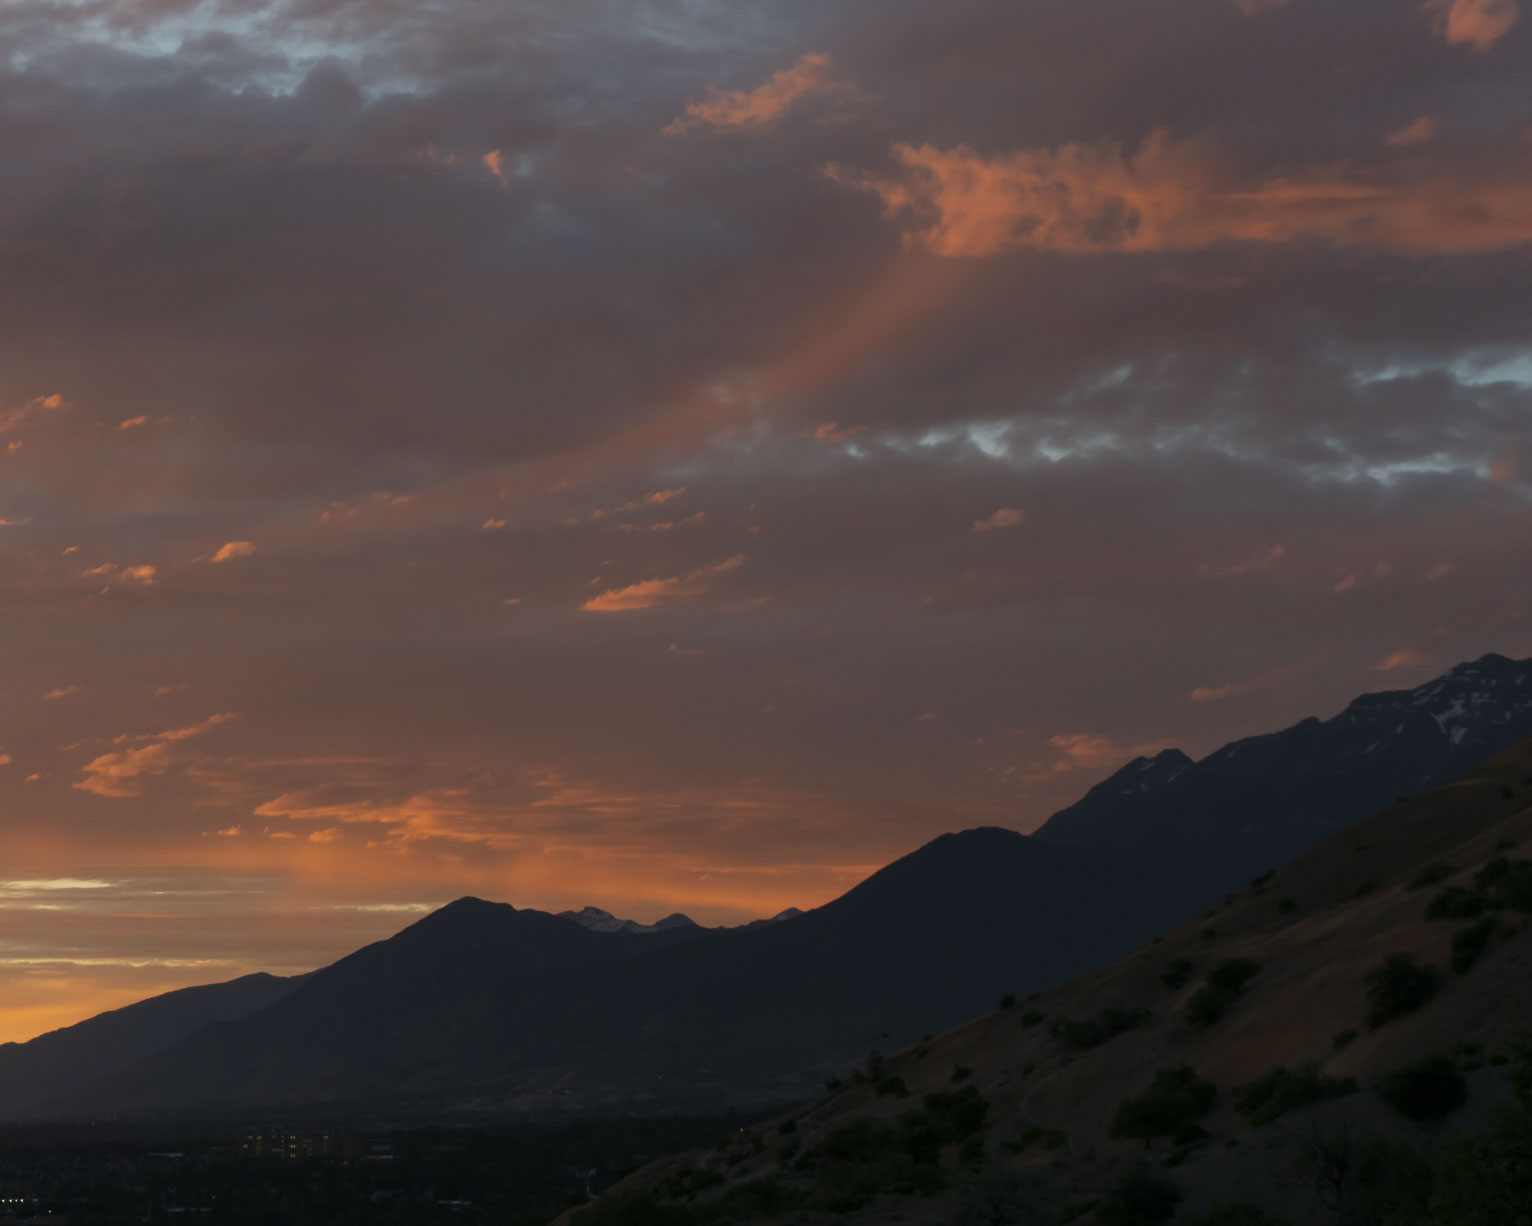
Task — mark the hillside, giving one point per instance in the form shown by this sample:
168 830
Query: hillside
63 1061
1022 1128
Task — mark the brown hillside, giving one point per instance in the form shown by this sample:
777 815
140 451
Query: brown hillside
1317 930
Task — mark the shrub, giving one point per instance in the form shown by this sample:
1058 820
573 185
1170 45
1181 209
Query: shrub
1514 887
1139 1199
1432 874
1008 1001
1455 902
1225 984
892 1087
960 1074
1233 974
1400 986
957 1115
1092 1032
1343 1040
1264 877
1426 1090
1286 907
1171 1107
1468 943
1491 872
1176 973
1282 1090
1031 1018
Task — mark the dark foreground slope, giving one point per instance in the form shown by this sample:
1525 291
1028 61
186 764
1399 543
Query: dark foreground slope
63 1061
1258 802
1311 1088
480 1007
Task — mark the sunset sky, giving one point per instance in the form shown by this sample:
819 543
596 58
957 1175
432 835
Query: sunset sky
682 454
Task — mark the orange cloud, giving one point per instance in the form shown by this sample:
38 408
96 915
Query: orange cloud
1399 659
652 592
132 423
1179 196
495 164
1005 517
831 432
113 574
1216 693
13 418
1258 562
1475 23
494 525
760 107
118 773
63 692
1416 132
1093 751
234 549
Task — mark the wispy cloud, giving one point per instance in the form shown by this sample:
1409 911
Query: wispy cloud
652 592
232 550
1176 195
763 106
1005 517
119 773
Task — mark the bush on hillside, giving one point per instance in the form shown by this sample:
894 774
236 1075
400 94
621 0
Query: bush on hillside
1455 902
1092 1032
1283 1090
1344 1039
1225 984
1142 1198
1400 986
1232 974
1514 888
1171 1107
1176 973
1426 1090
1468 943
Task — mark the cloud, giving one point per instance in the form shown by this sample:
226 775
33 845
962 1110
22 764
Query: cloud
117 774
62 692
133 423
494 525
232 550
1005 517
1260 561
1094 751
1475 23
113 574
1216 693
1399 659
495 164
761 107
1178 195
20 522
831 432
652 592
1416 132
12 419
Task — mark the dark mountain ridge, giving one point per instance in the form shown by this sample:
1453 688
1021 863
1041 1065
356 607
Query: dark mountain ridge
483 1008
1258 802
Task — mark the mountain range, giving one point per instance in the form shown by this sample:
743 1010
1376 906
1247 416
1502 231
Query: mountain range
483 1009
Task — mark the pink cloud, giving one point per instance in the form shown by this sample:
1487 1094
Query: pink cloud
760 107
1475 23
1005 517
232 550
1179 195
118 773
652 592
1416 132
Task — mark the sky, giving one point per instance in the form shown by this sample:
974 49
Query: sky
682 455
